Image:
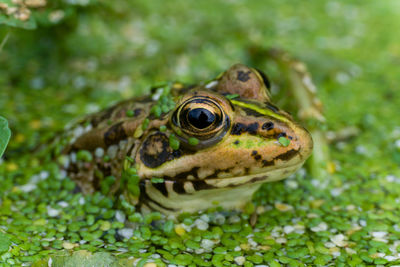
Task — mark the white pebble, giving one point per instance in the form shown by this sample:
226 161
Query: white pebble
112 151
339 240
72 156
379 234
219 219
288 229
64 160
281 240
336 192
99 152
240 260
63 173
155 256
234 219
397 143
199 251
336 254
211 84
157 94
329 245
27 187
126 232
315 182
120 216
361 150
252 243
201 225
63 204
292 184
44 175
390 178
122 144
391 258
207 244
52 212
342 77
88 128
320 227
78 131
351 251
205 217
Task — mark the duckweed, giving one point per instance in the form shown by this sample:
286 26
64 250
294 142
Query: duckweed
156 180
130 113
174 142
284 141
193 141
350 218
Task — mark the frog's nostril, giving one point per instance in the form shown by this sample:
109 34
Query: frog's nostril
268 126
281 135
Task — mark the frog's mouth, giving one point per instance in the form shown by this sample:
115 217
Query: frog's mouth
188 186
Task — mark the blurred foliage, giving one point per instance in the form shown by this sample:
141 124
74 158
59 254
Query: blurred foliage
29 14
61 59
98 52
81 258
5 135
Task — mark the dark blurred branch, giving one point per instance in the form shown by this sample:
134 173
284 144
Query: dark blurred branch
4 41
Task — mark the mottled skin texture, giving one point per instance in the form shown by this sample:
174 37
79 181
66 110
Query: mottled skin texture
234 155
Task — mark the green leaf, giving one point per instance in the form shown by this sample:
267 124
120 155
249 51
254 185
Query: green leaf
284 141
193 141
5 134
5 243
156 180
231 96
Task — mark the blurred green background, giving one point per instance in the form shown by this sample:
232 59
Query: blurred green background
72 57
84 55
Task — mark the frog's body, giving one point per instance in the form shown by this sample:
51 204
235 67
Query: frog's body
228 132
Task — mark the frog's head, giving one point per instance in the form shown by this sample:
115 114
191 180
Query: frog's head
230 135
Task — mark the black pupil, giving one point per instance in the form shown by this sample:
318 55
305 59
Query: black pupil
200 118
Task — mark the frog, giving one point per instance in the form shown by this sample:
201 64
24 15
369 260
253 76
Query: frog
193 147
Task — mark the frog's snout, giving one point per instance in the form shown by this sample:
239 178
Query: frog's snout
305 142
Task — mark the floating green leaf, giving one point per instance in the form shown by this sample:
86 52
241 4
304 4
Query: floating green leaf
193 141
5 134
231 96
5 243
156 180
284 141
173 142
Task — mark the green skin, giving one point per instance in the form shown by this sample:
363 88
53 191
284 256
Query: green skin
238 141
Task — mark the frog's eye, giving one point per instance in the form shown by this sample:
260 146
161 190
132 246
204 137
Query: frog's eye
201 117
